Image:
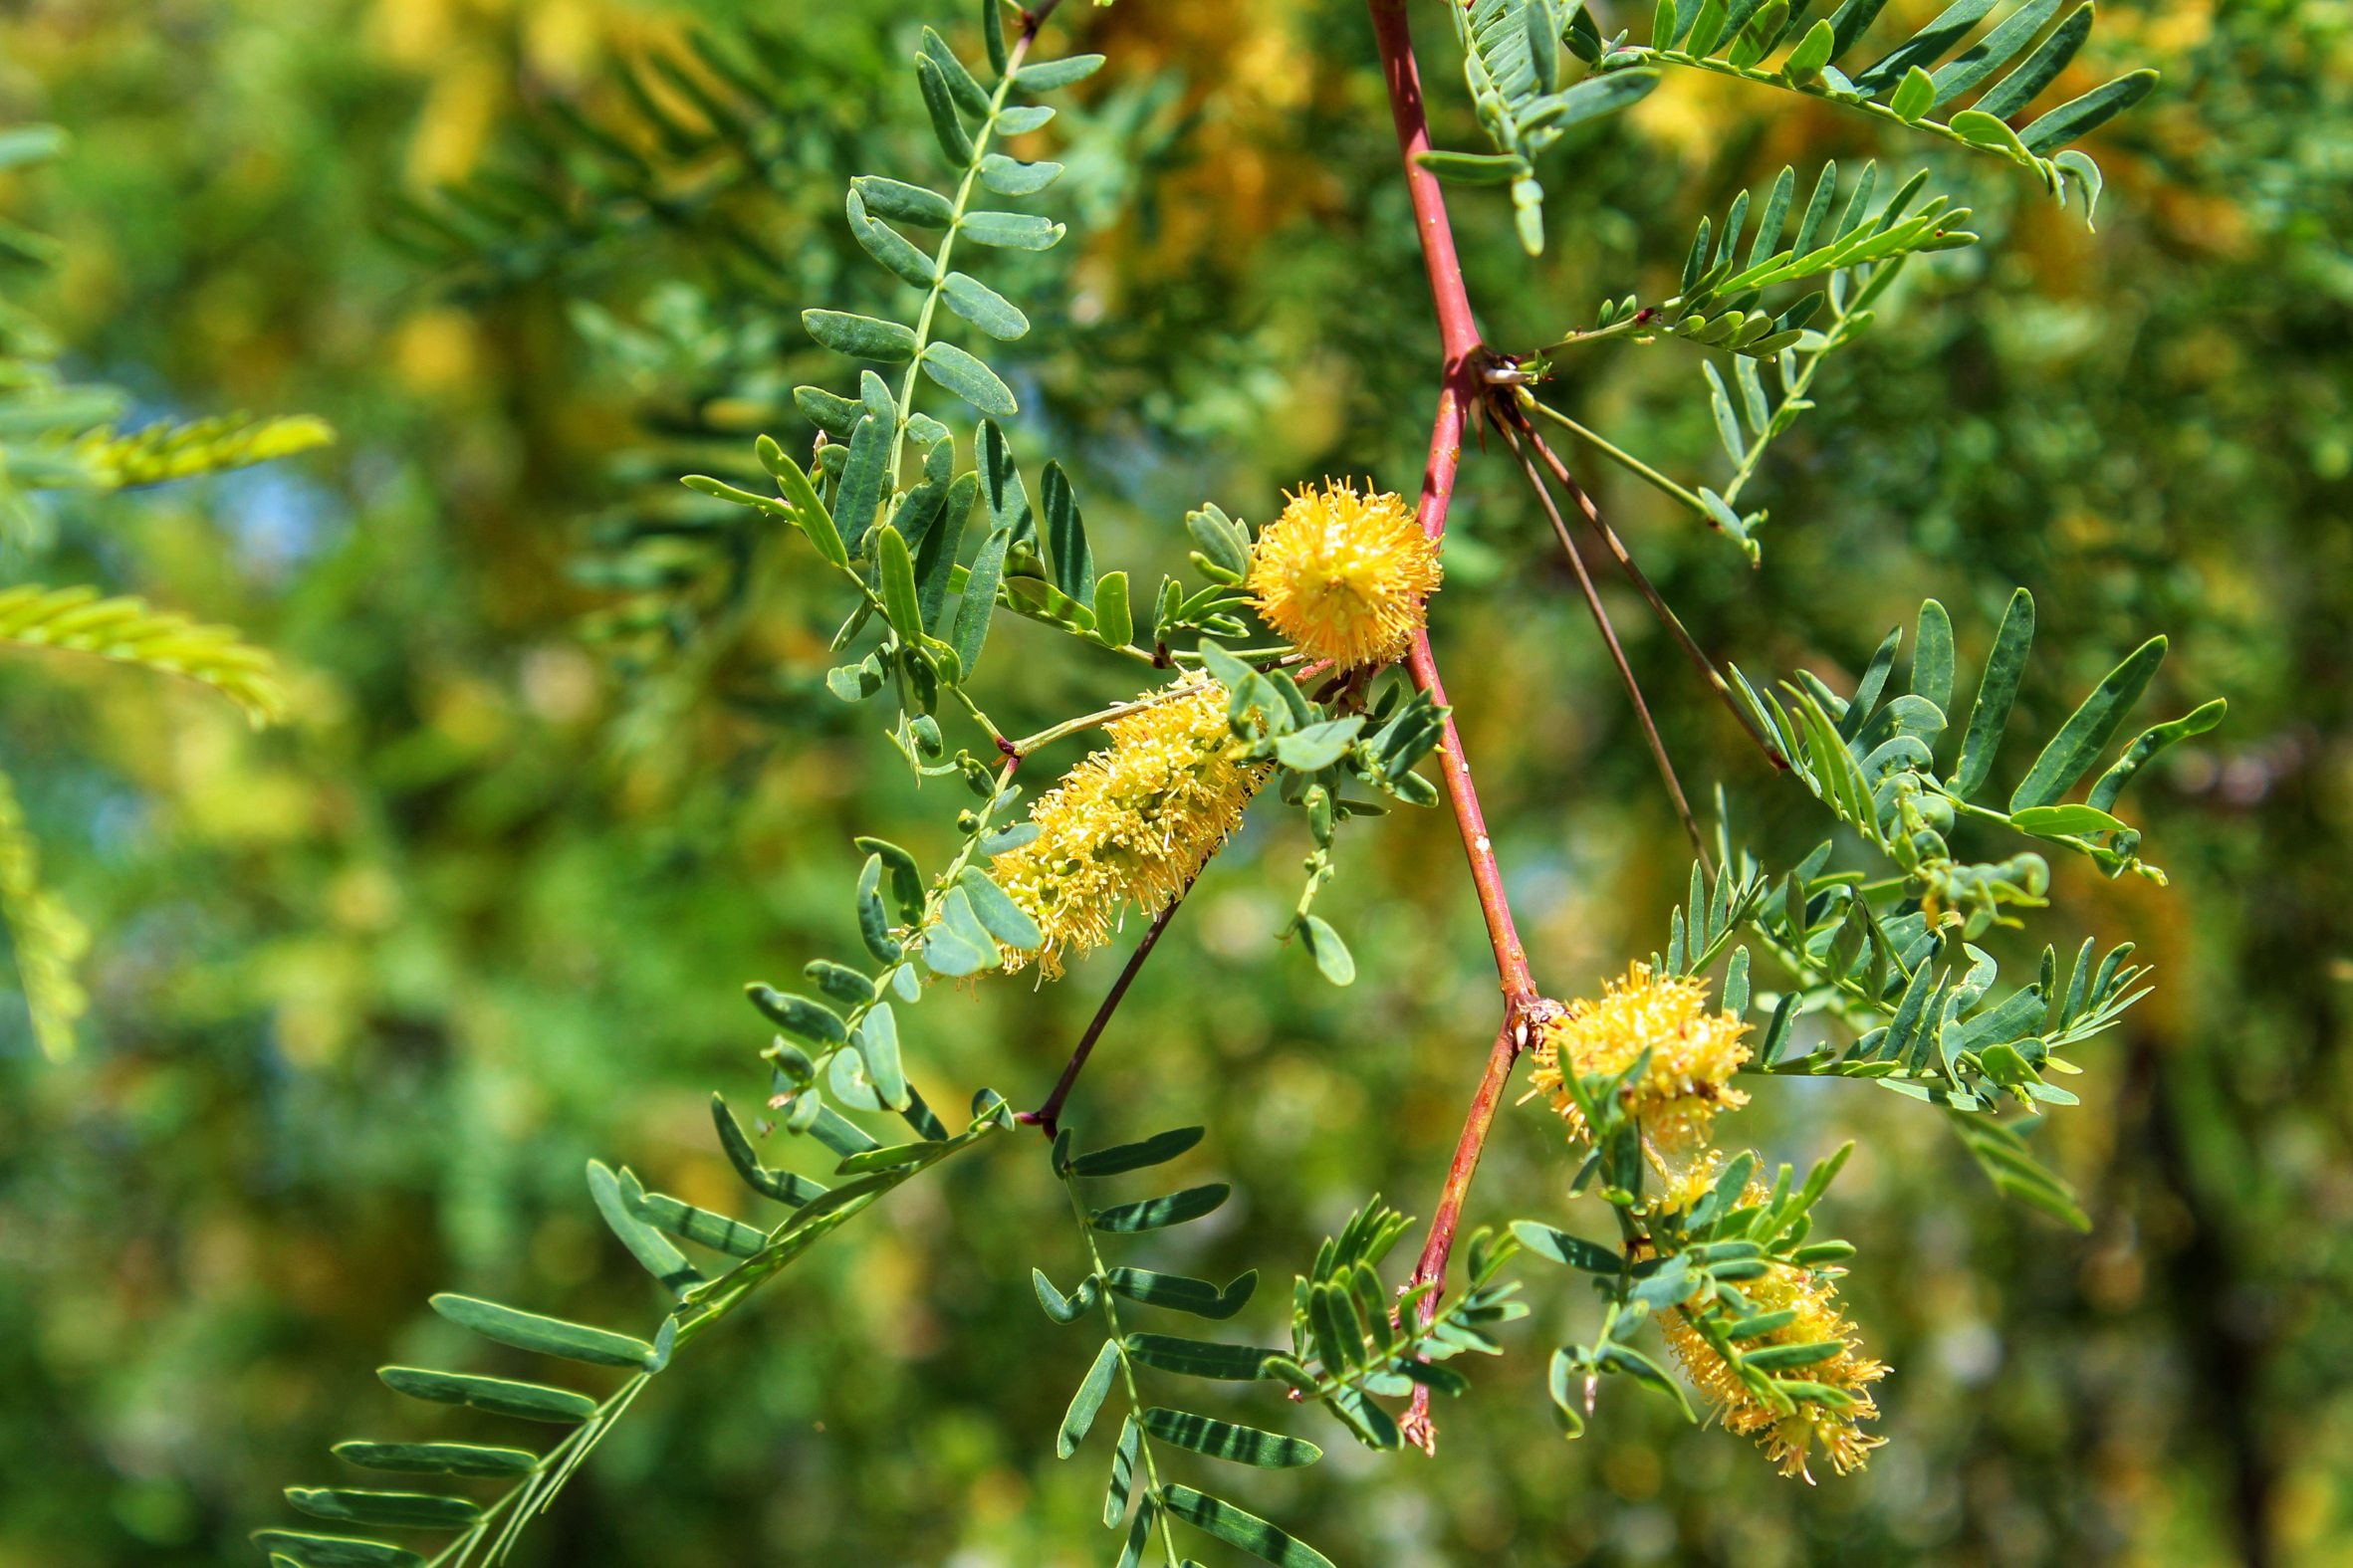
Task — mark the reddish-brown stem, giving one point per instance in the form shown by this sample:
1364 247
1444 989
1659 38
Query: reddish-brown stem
1456 397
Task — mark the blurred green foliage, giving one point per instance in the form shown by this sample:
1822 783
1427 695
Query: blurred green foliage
368 989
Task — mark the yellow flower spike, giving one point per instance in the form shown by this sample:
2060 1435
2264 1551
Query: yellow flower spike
1344 577
1132 824
1788 1439
1693 1054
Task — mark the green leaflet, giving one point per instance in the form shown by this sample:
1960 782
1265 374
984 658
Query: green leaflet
983 307
1997 689
877 1042
813 1021
651 1249
1123 1460
1775 1358
897 569
1066 536
2089 728
2021 88
892 249
940 103
980 598
1950 27
1079 1418
1182 1295
1139 1533
335 1551
685 1220
395 1511
1053 74
1331 955
1318 745
1003 919
1154 1213
2081 116
903 203
969 380
545 1335
1236 1528
1020 231
808 510
1995 51
437 1459
1199 1358
2149 745
1011 177
861 337
1223 1440
1574 1251
497 1396
906 877
1119 1159
2002 1154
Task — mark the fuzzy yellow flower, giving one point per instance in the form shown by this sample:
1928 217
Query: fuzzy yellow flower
1342 576
1131 825
1787 1439
1693 1056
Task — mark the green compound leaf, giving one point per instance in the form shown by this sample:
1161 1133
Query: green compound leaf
1236 1528
1154 1213
1119 1159
547 1336
1079 1418
1223 1440
437 1459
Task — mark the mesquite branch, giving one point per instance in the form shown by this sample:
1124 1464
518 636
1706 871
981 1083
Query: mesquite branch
1459 390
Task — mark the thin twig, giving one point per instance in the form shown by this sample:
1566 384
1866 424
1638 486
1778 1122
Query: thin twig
1046 1115
1626 459
1642 583
1617 654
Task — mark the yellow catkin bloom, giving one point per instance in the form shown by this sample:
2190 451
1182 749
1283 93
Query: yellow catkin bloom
1693 1054
1131 825
1342 576
1787 1439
